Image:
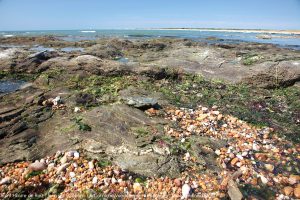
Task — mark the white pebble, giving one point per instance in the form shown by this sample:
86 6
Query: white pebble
91 165
263 179
239 156
255 147
76 154
191 128
76 109
6 180
72 174
95 180
113 180
218 152
187 156
186 189
50 166
245 153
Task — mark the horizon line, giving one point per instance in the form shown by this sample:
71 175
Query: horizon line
153 28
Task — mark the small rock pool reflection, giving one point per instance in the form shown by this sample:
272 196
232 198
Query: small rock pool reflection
9 86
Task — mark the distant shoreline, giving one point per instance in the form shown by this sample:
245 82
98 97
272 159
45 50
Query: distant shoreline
289 32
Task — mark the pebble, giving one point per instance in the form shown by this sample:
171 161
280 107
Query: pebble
76 109
95 180
76 155
64 159
187 156
50 166
37 166
293 179
6 180
218 152
234 161
288 190
137 188
186 189
249 151
91 165
269 167
177 182
263 179
72 174
297 192
62 168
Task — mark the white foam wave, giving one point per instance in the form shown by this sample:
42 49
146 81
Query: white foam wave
8 35
88 31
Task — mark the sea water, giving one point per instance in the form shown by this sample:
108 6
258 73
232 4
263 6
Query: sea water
198 35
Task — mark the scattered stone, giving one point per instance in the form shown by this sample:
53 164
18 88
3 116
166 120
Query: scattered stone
233 191
288 190
62 168
37 166
269 167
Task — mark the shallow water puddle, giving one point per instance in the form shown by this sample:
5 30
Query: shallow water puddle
41 48
70 49
123 60
11 86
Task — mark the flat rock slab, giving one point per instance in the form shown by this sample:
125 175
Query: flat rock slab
149 165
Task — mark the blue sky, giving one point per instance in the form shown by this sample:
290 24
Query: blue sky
106 14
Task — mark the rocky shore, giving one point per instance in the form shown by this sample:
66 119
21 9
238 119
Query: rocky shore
162 118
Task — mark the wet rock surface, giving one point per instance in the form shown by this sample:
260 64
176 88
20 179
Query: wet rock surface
88 121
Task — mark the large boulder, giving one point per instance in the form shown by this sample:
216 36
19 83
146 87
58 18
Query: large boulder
282 74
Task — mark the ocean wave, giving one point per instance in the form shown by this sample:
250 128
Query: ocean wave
8 35
88 31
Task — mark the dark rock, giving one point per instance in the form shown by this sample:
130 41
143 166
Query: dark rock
85 99
19 127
